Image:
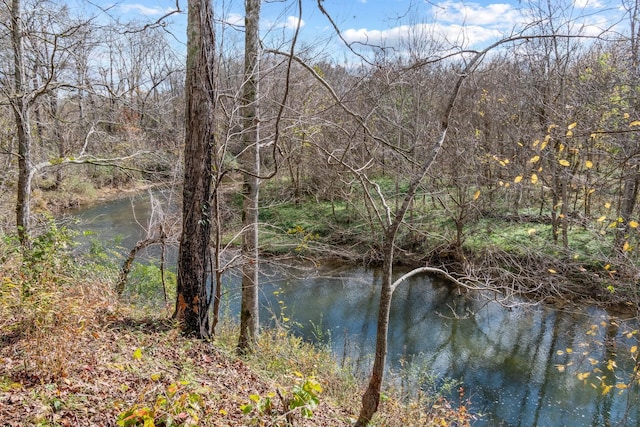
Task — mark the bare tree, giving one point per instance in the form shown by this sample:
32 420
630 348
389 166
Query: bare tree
250 159
20 103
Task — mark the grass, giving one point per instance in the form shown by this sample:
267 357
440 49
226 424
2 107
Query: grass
73 354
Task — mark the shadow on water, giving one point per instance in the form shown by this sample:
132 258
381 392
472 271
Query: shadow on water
525 366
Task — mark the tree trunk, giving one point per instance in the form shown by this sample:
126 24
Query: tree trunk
251 165
371 397
20 106
192 301
627 206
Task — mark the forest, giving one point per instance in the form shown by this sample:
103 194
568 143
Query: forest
511 169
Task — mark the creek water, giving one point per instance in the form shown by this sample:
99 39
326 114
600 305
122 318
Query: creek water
521 366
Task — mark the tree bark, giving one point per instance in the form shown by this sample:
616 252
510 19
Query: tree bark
629 197
192 302
251 164
20 106
371 397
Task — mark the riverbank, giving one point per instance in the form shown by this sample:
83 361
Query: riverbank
510 255
73 354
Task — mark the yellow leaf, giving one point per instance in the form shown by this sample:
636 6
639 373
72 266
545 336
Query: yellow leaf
531 231
633 224
602 218
552 271
569 134
518 179
534 178
583 375
572 125
634 349
606 389
476 195
137 355
626 247
607 205
560 368
560 148
222 412
156 377
588 164
634 123
564 162
535 143
551 127
569 350
621 386
534 159
545 142
506 161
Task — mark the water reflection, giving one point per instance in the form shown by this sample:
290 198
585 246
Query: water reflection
520 366
526 366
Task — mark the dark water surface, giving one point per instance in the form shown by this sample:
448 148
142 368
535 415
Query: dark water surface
524 366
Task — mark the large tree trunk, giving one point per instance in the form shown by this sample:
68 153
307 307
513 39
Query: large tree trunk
20 107
192 302
251 164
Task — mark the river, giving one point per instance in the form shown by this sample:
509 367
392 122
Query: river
521 366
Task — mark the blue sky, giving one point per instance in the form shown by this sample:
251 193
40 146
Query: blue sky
469 24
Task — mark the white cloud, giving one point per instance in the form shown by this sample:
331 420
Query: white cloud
292 23
462 13
234 19
142 9
591 4
401 36
453 24
462 24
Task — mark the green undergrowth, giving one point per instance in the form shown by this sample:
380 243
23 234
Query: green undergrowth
455 233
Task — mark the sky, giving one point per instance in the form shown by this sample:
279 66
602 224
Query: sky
387 23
